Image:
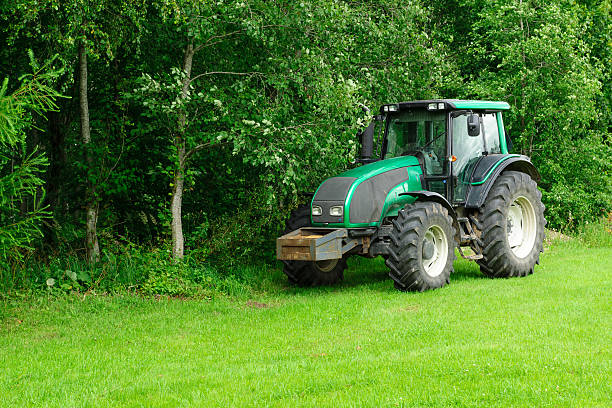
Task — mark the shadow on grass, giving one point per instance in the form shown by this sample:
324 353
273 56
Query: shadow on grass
367 272
374 274
466 270
373 271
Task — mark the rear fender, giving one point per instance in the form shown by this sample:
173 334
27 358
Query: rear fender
489 168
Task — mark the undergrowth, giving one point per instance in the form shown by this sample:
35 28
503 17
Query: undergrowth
133 270
151 272
597 234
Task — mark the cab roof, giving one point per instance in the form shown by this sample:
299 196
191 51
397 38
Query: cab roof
457 104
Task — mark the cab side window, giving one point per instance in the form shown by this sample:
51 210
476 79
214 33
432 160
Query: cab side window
491 133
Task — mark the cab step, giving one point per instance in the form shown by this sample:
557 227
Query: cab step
473 257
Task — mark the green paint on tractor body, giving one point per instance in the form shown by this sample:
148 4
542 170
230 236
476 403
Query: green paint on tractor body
392 201
495 105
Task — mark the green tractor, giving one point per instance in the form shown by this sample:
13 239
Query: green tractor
436 175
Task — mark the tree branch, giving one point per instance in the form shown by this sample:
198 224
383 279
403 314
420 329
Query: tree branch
221 37
224 73
196 149
216 37
116 162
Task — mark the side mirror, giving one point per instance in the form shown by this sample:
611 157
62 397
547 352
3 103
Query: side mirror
367 142
473 124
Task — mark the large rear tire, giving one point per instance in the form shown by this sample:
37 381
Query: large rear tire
422 247
511 225
304 273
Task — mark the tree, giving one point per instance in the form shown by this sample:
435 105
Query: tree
21 170
282 85
171 99
79 30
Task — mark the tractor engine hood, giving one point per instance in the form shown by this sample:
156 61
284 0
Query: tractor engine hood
366 192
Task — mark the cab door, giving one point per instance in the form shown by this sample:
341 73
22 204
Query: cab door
467 150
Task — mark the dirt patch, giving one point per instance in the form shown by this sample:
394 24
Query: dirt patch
409 308
256 305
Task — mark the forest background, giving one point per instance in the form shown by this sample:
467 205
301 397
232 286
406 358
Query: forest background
159 145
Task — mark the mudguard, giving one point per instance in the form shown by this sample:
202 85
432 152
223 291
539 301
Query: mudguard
425 195
489 168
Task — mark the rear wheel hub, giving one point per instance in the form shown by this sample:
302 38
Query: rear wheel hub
521 227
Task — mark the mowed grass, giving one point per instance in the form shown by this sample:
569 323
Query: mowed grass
538 341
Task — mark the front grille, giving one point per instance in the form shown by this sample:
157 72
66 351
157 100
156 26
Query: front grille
332 192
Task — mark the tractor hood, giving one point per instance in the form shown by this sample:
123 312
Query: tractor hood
365 194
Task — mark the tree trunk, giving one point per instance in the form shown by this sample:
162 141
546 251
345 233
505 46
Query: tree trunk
91 236
178 242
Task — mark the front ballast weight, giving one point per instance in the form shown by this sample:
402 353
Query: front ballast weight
321 244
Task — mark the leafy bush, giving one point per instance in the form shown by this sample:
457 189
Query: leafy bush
245 234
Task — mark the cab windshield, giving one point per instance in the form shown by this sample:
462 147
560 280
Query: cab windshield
418 130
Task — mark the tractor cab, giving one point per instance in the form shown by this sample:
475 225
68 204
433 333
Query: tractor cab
448 137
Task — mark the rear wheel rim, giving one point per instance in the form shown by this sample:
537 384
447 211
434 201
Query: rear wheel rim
521 227
434 262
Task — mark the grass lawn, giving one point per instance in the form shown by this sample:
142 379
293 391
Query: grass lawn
543 340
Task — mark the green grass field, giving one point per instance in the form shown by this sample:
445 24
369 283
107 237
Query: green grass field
544 340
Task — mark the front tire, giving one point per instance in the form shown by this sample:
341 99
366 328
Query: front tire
422 248
511 224
308 273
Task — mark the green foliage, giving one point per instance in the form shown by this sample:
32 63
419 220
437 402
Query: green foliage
132 269
18 228
535 55
34 95
21 192
231 240
165 278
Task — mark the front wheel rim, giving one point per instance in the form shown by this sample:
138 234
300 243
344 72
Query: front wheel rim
521 227
434 251
327 265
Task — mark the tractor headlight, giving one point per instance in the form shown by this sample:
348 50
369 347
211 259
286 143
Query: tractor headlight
317 210
336 211
441 105
432 106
